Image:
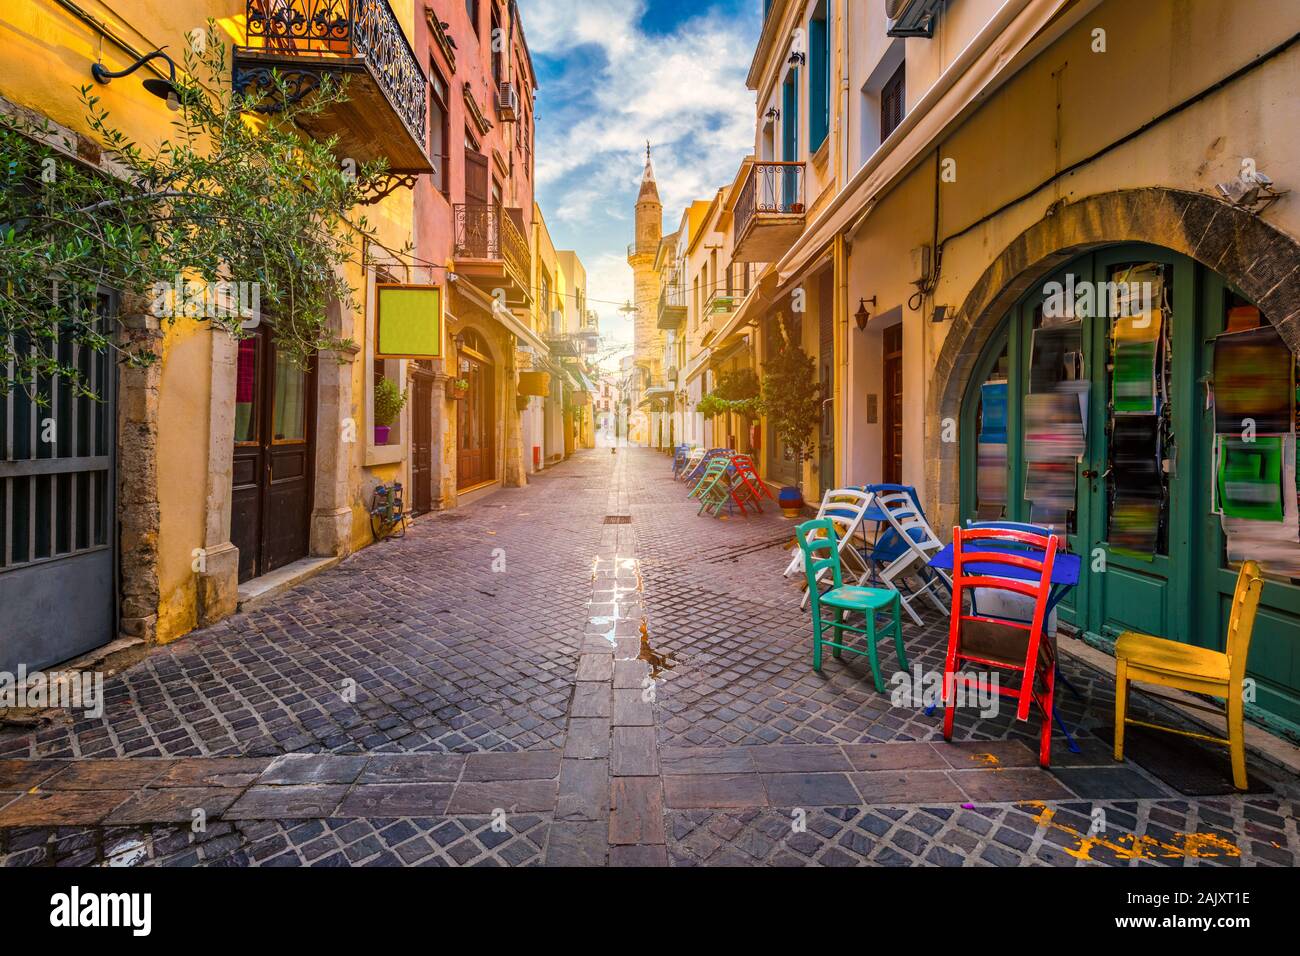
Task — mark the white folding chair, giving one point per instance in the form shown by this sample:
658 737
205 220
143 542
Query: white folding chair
846 507
692 462
917 543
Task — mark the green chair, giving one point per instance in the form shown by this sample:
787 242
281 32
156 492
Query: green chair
712 471
818 536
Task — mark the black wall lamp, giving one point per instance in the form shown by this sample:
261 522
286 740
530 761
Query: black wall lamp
797 58
863 316
163 89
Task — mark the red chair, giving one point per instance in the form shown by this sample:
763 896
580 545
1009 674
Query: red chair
1005 560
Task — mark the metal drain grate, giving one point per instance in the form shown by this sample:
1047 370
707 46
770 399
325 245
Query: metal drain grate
618 519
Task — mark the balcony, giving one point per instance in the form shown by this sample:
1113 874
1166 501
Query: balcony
491 250
721 303
507 102
770 212
304 41
672 304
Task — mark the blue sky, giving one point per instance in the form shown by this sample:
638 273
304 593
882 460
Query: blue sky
612 74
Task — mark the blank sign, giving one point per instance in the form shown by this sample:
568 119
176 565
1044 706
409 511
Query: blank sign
408 322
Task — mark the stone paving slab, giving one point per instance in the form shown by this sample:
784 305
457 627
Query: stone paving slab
506 720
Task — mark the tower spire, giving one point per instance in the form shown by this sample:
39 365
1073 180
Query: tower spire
649 189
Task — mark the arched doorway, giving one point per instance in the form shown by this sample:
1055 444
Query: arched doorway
1127 383
476 422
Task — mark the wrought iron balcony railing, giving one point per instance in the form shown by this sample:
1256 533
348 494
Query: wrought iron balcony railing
487 231
363 30
770 188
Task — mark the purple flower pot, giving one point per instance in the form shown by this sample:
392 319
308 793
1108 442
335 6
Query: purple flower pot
381 434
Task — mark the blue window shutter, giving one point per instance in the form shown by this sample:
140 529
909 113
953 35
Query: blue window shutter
819 82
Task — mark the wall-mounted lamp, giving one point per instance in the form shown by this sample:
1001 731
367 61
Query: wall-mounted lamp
772 115
863 316
797 58
163 89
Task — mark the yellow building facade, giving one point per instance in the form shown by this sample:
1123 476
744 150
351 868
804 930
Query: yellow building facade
178 469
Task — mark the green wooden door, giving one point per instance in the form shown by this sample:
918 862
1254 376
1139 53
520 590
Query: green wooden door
1179 587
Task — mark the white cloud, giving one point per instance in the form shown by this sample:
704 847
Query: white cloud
684 91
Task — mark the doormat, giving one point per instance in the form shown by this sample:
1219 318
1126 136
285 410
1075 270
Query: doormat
618 519
1193 769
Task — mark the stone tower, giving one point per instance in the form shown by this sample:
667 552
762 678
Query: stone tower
648 340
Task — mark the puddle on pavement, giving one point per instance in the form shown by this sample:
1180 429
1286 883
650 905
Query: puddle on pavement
658 662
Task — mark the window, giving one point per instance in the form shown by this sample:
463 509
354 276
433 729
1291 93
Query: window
471 9
819 78
892 103
439 131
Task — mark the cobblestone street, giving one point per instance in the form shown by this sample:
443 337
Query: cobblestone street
474 694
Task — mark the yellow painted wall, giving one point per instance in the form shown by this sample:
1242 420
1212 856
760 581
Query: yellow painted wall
1158 54
48 52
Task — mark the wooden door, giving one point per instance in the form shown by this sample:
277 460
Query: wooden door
891 467
476 424
422 443
274 457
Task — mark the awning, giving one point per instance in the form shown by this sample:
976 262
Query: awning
751 311
518 327
697 366
656 394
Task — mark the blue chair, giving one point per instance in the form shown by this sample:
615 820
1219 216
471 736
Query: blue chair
679 459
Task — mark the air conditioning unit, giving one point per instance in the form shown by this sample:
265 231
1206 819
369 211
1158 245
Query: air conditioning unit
911 18
507 102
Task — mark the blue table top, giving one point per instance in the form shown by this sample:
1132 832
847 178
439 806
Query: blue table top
1065 568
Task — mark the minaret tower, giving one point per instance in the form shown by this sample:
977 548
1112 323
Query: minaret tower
648 340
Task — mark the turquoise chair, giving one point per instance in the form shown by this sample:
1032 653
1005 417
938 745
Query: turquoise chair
818 536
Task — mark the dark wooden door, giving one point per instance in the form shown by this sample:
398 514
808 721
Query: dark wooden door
891 466
274 459
422 443
476 425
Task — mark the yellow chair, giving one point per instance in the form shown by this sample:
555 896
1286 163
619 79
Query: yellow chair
1154 660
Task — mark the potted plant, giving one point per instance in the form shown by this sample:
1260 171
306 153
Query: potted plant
389 401
457 388
792 401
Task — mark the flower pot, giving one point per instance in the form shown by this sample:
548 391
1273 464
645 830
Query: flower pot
456 394
790 501
381 434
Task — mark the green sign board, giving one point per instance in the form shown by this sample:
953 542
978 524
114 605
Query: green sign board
408 321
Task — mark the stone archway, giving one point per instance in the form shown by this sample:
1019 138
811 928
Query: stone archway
1259 259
